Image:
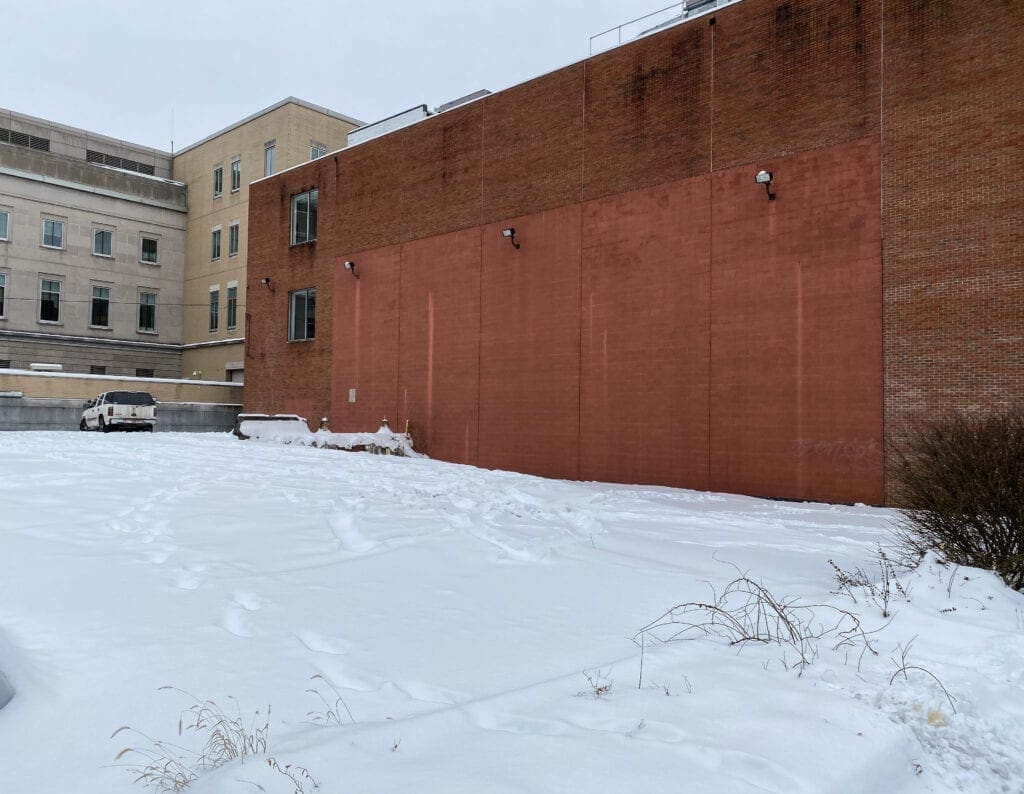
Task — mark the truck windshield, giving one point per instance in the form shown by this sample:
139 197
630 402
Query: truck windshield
130 398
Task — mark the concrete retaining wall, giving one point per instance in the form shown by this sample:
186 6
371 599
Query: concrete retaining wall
32 413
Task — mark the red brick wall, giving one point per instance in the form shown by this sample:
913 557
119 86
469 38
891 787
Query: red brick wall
663 321
645 316
796 391
439 350
953 212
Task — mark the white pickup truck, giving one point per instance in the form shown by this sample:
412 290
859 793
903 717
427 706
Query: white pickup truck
119 410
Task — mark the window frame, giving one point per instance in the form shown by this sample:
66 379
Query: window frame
43 280
317 150
143 239
218 181
56 223
215 244
236 174
309 334
312 197
97 233
269 157
234 234
143 303
232 307
92 306
6 238
214 309
3 295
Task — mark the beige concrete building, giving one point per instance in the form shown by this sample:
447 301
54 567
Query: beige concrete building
92 252
217 171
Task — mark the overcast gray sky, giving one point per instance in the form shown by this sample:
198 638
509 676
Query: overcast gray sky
119 67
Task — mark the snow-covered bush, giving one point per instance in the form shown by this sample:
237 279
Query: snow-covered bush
961 481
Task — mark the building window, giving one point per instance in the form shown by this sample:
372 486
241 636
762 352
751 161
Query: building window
236 175
96 369
316 150
49 301
301 315
149 250
218 181
269 151
215 244
147 311
53 233
304 217
232 307
5 225
214 309
102 242
233 239
143 373
100 317
3 295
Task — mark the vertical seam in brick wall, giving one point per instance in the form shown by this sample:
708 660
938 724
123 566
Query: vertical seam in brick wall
881 236
398 340
479 330
583 141
579 348
711 127
711 325
711 244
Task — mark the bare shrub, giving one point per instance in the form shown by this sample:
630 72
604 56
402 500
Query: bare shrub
879 591
331 714
598 683
298 775
904 667
961 481
745 611
169 767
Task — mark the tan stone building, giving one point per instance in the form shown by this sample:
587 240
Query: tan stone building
92 236
217 171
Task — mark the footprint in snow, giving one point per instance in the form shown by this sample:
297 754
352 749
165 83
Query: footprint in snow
187 579
237 622
248 601
160 556
321 643
349 538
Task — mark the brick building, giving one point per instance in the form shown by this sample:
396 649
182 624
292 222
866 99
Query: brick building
662 320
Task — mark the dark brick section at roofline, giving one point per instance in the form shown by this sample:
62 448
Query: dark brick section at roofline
611 154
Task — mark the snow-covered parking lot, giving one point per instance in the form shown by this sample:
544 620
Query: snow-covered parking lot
478 627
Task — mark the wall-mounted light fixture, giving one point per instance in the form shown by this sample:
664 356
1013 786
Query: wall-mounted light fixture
266 282
765 178
510 233
351 268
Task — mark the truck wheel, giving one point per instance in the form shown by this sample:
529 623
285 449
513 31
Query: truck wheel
104 427
81 425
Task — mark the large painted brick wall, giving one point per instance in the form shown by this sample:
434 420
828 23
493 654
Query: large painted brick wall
663 321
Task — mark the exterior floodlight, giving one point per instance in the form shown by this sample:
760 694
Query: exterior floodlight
510 233
265 281
351 268
765 178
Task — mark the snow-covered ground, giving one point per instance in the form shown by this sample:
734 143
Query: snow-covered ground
462 615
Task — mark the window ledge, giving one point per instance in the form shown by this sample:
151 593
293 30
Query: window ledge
101 327
299 245
147 333
52 247
150 264
300 341
49 322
